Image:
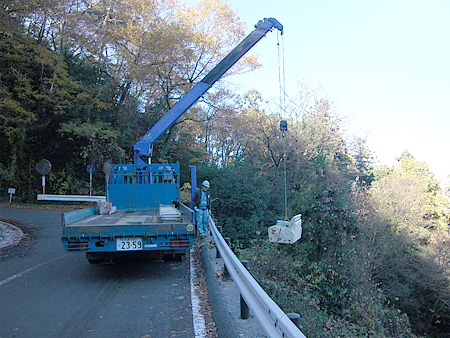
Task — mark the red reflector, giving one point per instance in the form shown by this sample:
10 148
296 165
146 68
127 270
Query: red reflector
179 243
77 246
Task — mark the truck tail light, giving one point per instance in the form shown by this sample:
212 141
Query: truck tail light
77 246
179 243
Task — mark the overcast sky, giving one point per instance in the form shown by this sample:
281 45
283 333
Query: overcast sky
384 64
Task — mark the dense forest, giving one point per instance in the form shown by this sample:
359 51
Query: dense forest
82 80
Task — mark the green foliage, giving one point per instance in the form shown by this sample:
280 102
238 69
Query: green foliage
240 201
46 113
323 183
81 83
35 91
407 217
333 275
329 302
364 162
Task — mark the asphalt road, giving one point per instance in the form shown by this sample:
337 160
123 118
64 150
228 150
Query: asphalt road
46 292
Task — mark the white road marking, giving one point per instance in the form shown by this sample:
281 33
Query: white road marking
20 274
199 320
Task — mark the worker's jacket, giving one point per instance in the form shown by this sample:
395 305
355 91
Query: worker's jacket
198 198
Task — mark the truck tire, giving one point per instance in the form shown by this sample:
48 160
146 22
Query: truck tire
98 258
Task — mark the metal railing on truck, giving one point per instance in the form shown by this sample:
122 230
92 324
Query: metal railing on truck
273 321
143 174
134 187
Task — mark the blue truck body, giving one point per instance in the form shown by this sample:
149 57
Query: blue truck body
147 186
149 216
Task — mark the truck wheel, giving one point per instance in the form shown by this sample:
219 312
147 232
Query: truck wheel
97 258
183 257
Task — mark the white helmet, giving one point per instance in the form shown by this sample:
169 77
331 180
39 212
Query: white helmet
206 184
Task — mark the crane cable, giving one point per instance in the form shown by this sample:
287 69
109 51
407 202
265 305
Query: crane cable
283 122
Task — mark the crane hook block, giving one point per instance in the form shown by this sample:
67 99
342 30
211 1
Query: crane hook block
283 127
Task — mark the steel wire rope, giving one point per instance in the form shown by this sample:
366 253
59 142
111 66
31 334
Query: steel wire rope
282 85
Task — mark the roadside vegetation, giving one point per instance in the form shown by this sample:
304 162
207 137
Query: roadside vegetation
82 81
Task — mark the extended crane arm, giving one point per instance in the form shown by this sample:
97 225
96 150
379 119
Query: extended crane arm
144 147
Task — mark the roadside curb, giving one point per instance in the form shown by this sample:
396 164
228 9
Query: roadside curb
9 235
225 297
222 318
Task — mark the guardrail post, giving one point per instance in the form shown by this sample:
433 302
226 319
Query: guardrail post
225 270
219 227
245 311
295 318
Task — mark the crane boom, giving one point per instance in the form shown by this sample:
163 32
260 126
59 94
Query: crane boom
144 147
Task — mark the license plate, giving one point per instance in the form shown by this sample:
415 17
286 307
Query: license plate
129 244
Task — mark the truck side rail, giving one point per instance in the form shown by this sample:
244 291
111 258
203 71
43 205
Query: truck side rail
77 215
273 321
186 210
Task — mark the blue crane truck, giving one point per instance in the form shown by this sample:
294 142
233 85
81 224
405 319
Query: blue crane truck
143 210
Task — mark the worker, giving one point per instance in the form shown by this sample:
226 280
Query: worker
202 205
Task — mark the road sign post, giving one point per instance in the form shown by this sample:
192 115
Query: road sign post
43 167
11 191
90 169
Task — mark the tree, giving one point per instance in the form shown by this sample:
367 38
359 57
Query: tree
407 221
324 177
102 73
241 201
364 161
36 92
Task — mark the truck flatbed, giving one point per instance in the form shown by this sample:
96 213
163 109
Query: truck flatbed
138 217
165 229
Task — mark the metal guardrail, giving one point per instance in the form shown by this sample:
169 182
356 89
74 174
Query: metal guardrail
273 321
70 198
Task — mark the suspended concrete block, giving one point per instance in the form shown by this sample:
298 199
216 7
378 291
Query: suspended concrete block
286 232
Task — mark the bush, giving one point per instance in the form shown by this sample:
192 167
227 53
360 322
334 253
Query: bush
330 303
